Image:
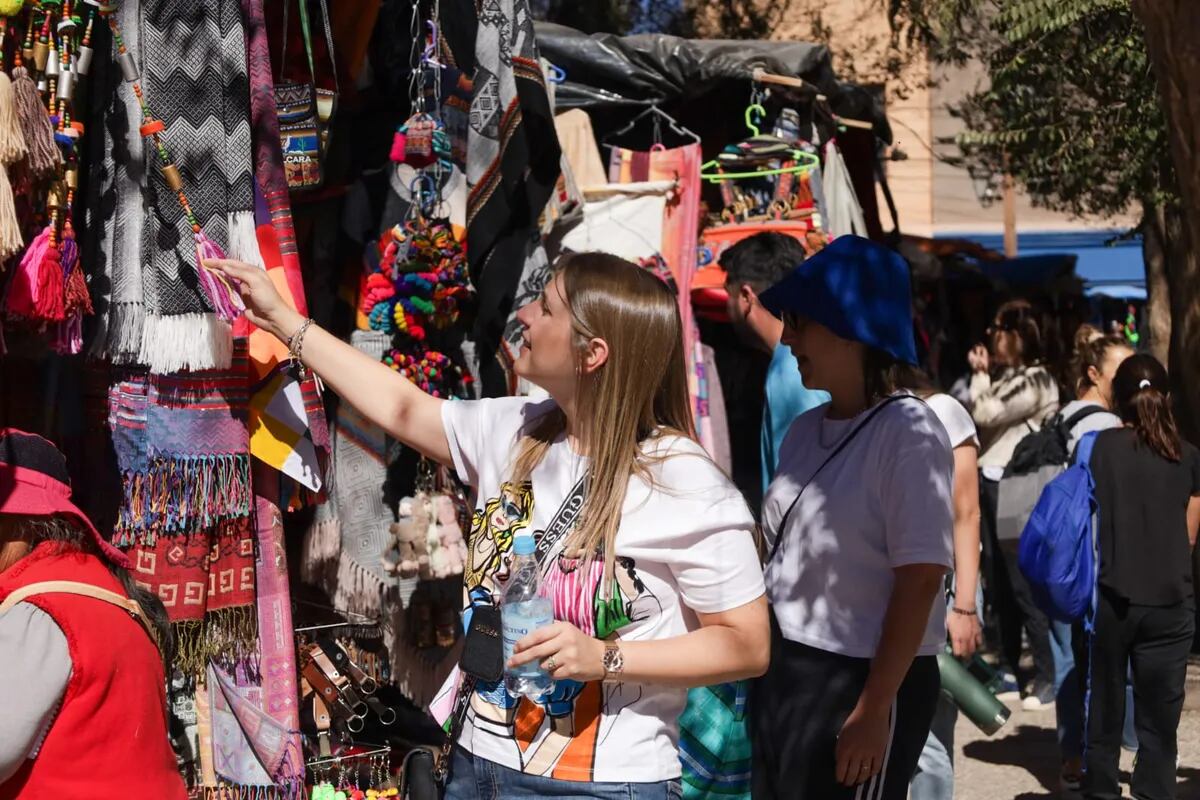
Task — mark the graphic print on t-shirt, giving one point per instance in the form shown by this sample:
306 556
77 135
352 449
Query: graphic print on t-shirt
556 736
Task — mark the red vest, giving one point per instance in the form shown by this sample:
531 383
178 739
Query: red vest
109 739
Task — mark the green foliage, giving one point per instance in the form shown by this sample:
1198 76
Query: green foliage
1071 110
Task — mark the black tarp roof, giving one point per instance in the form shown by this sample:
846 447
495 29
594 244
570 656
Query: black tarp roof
611 76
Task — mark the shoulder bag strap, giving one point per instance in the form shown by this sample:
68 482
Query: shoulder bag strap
560 525
1080 415
83 590
328 45
840 447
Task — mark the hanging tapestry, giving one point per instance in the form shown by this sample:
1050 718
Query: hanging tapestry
192 63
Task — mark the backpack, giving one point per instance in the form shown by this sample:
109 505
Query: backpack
1047 446
1037 459
1057 553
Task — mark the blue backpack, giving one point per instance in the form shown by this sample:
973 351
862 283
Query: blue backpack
1057 552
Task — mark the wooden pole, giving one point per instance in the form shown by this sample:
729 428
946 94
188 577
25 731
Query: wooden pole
1010 216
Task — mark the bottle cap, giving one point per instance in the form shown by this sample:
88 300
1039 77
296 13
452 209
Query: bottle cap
524 546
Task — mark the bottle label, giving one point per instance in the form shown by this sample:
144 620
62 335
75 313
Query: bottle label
520 623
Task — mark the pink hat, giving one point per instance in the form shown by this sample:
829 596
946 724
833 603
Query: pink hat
34 482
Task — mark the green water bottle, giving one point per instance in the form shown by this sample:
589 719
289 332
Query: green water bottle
970 695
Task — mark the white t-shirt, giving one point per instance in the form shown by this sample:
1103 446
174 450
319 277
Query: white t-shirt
684 546
882 503
954 418
1101 420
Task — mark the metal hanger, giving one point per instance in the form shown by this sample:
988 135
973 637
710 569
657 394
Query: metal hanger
657 116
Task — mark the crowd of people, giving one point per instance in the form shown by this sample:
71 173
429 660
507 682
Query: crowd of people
888 535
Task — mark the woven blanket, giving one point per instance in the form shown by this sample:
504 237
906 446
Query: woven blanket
183 454
192 60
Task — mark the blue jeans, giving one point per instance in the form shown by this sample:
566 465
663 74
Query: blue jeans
934 778
479 779
1068 692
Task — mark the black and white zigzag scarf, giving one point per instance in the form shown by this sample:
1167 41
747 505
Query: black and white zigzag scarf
192 60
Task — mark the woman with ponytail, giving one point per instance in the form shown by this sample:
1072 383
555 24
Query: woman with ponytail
1148 495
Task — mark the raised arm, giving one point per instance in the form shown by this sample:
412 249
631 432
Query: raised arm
1021 399
380 394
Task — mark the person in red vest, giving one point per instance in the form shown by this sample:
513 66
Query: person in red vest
81 675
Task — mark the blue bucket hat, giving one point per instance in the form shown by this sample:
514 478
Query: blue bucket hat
858 289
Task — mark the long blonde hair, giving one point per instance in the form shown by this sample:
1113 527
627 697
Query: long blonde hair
638 394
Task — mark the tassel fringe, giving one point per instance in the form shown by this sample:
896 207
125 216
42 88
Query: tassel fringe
227 635
44 155
11 240
322 551
182 495
124 340
243 238
357 590
186 342
12 142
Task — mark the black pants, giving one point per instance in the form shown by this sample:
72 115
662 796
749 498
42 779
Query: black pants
798 708
1010 597
1154 643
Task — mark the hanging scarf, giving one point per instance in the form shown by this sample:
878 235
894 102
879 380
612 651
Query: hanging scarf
183 453
361 455
255 720
287 420
512 166
192 61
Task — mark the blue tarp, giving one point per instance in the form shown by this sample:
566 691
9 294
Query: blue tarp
1115 270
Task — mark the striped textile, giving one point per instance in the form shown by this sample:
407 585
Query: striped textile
182 450
714 742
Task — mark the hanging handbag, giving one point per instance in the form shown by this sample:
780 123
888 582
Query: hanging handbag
304 111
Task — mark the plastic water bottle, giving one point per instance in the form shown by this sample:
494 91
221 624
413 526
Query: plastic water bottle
523 611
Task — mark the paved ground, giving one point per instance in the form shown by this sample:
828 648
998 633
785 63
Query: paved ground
1021 761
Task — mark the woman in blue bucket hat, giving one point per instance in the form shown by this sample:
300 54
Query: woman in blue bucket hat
859 523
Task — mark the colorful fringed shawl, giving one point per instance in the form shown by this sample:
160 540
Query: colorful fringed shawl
185 515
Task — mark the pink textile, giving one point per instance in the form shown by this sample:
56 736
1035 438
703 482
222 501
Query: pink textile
681 231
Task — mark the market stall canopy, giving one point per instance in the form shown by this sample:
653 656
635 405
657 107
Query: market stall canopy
602 72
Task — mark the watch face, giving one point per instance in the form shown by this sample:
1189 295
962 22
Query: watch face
613 661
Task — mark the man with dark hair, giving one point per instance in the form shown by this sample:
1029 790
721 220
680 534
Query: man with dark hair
752 266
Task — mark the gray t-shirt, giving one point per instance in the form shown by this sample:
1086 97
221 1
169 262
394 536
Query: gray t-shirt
34 672
1098 421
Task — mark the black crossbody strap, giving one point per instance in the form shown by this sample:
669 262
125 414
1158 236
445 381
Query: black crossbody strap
782 530
559 526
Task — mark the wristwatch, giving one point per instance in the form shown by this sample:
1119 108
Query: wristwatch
614 661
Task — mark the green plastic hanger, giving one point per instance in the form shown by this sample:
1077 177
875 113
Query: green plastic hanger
751 110
806 162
